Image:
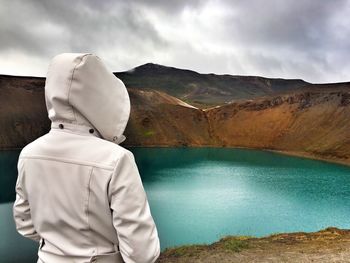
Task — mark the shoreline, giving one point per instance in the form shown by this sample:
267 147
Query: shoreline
312 157
328 245
299 154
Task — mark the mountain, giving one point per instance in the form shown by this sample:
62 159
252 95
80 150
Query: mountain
203 90
312 120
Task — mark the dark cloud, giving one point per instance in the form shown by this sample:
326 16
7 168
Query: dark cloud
169 7
293 39
79 25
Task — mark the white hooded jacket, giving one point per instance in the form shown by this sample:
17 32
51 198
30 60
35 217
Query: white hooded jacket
79 192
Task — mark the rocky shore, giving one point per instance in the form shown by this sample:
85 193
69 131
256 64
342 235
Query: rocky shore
328 245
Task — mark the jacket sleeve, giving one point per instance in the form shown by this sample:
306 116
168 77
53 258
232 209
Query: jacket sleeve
132 219
21 210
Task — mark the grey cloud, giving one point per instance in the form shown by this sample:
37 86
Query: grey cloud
298 24
170 7
295 30
84 27
296 39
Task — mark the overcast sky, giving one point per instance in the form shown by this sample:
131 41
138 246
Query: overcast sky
308 39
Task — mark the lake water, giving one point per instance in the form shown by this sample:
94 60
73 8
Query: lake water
198 195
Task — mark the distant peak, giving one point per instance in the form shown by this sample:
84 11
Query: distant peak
151 65
159 69
153 68
147 67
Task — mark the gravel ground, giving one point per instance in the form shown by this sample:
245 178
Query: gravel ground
329 245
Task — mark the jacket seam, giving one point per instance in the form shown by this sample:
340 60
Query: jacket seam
87 204
111 178
86 163
123 121
70 86
109 198
20 173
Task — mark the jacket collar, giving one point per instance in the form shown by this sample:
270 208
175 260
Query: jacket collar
82 129
75 128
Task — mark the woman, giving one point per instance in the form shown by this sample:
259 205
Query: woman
79 192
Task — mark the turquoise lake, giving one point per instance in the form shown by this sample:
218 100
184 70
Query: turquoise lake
198 195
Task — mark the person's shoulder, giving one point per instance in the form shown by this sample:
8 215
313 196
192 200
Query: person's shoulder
114 150
111 146
32 146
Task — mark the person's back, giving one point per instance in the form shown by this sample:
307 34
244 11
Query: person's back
78 192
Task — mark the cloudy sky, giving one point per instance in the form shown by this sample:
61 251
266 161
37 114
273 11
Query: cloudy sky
308 39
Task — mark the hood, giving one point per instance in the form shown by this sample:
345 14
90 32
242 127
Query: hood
79 89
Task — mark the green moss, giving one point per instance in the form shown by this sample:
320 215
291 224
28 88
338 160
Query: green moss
234 244
183 251
148 133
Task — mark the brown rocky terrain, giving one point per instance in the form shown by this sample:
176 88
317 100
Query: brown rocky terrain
23 115
314 124
158 119
326 246
312 121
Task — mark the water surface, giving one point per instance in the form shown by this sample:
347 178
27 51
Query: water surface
198 195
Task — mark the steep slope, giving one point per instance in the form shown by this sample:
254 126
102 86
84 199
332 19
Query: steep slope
204 89
158 119
315 124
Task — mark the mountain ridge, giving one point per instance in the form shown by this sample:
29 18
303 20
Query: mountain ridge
155 65
204 89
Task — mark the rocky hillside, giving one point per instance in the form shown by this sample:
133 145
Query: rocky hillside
158 119
312 124
313 121
202 90
23 115
315 124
